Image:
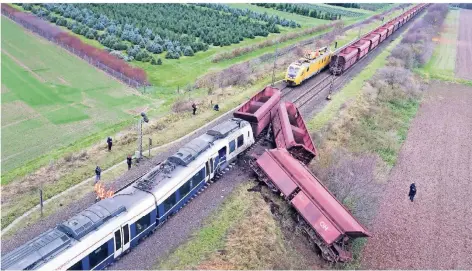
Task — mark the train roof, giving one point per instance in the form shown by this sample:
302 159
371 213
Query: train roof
191 151
37 251
76 232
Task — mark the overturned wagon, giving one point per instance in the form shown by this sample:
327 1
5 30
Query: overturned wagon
290 132
258 110
321 216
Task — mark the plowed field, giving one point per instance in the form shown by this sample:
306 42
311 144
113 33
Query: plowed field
434 231
464 45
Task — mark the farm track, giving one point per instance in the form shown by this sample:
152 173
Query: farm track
163 244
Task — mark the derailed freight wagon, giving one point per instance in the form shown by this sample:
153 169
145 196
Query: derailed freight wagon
259 109
321 216
290 132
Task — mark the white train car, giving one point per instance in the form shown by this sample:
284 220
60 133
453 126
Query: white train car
100 234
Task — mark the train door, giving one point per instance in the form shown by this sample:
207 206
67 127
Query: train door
212 166
121 240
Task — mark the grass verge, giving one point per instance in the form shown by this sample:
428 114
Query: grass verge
242 234
351 90
211 237
181 123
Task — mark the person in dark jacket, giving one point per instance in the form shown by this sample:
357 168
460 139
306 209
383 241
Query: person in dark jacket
412 191
110 143
128 161
194 107
98 171
216 107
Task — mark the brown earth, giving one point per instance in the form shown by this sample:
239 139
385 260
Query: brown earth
464 45
434 231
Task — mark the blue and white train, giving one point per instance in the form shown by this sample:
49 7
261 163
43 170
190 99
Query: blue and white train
99 235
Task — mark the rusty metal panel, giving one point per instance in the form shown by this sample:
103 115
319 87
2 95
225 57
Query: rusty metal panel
259 108
313 215
276 173
319 195
290 132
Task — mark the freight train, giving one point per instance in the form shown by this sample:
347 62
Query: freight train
101 234
346 56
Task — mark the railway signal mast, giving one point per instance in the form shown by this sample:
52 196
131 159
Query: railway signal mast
139 153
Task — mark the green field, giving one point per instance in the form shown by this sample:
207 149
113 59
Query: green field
51 98
443 61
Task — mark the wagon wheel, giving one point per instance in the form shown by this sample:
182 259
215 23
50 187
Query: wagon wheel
272 187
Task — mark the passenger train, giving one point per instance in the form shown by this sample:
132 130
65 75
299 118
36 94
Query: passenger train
99 235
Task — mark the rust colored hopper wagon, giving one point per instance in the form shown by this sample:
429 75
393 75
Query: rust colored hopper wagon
290 132
259 108
321 216
346 58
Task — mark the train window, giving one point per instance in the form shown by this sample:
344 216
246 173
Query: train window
198 177
232 146
125 234
99 255
184 189
240 141
170 202
144 222
77 266
117 240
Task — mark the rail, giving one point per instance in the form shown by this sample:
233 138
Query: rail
370 32
338 80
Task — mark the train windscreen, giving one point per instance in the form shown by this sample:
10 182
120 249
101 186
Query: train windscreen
293 71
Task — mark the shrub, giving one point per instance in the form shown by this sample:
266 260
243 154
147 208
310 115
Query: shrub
154 47
172 55
159 61
120 46
143 56
90 34
188 51
133 51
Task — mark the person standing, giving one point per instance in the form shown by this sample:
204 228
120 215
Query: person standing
194 107
98 172
128 161
110 143
412 191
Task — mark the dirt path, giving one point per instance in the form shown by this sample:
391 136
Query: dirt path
434 232
464 46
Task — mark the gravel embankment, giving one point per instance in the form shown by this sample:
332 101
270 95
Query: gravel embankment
434 231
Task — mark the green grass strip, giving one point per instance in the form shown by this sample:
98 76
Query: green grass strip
211 237
351 90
